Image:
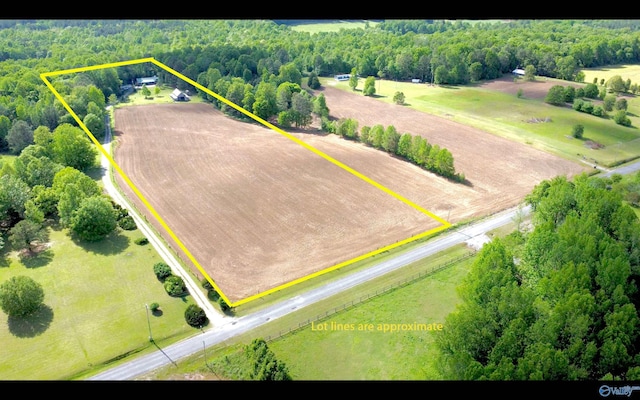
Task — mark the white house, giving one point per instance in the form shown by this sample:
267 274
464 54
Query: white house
148 81
518 71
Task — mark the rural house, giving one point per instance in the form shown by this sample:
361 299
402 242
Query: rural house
150 80
178 95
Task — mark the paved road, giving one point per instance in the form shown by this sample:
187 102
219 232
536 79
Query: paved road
625 169
235 326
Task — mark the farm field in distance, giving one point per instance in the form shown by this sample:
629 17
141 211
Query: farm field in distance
494 107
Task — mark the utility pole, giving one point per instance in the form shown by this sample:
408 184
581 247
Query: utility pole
149 323
204 349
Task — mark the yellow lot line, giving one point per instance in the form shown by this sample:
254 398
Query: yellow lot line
45 76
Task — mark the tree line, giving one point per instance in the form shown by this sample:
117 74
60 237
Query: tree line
262 51
413 148
608 92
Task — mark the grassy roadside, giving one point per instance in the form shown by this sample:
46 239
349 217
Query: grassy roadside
311 354
409 295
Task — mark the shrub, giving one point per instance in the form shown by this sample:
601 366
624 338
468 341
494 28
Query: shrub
577 104
399 98
224 306
127 223
578 131
206 284
154 307
195 316
162 271
620 118
598 111
587 107
142 241
174 285
119 210
213 295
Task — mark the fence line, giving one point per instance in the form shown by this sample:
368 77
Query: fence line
378 292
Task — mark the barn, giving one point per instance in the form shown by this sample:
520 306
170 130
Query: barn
178 95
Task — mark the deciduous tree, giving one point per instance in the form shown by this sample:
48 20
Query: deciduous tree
21 296
27 234
20 135
71 147
94 219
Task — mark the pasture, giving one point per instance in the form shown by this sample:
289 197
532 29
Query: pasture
631 72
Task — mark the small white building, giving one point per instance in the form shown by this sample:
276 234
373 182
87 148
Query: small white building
518 72
178 95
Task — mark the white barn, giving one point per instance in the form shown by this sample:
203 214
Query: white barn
178 95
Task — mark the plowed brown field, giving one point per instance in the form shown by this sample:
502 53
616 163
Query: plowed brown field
257 210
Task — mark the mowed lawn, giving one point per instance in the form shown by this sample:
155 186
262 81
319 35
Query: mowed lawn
523 119
94 308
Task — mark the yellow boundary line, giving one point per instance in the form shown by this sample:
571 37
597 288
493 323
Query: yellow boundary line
44 76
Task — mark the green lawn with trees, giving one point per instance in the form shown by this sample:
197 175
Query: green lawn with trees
93 311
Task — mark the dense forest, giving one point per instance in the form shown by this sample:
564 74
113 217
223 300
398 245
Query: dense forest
559 302
443 52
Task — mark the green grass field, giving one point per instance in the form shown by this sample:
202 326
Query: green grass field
311 354
631 72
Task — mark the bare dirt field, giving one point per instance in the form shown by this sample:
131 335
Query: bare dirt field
254 208
536 89
500 172
258 210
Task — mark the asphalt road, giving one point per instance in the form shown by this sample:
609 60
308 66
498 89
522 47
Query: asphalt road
224 328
